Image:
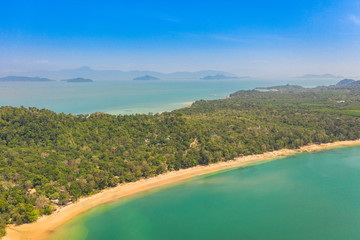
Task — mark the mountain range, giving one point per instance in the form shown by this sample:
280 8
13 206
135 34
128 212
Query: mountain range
115 75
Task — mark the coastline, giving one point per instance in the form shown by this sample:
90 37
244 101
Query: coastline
47 224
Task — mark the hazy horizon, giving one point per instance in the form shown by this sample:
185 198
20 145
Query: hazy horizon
115 75
265 39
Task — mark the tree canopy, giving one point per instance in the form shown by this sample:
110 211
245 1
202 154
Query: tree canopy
48 160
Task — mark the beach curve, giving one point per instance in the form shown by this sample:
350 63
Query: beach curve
45 225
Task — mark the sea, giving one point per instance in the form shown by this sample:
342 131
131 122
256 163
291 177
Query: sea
301 197
305 196
125 97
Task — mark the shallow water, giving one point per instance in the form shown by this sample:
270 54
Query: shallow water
122 97
305 196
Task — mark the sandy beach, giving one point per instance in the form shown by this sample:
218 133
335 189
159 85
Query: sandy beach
45 225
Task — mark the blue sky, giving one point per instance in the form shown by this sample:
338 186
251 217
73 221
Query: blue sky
257 38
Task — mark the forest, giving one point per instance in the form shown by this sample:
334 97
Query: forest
48 159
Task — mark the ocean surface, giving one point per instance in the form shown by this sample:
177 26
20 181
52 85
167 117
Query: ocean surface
122 97
306 196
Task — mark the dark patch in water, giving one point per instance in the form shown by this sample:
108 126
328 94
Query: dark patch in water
246 168
329 151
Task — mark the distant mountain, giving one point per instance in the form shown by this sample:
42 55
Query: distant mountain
77 80
345 82
145 78
217 77
327 75
117 75
24 79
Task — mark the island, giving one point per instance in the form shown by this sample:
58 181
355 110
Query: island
146 78
50 161
77 80
24 79
217 77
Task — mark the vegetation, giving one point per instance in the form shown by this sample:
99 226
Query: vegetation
48 160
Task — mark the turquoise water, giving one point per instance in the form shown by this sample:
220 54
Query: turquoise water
305 196
123 97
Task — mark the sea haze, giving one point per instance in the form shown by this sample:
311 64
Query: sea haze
120 97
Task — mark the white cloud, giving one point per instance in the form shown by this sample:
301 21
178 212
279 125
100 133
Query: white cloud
354 19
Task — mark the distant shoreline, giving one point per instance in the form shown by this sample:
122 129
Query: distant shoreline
44 226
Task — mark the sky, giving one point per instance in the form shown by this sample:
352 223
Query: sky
250 38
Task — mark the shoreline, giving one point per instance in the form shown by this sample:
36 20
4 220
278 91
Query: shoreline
45 225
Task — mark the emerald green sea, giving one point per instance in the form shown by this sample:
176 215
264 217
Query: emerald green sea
305 196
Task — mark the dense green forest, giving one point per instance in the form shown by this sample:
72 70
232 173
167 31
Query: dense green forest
48 160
